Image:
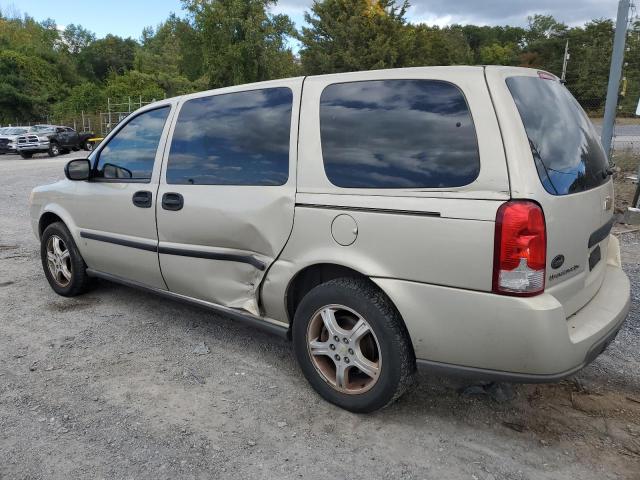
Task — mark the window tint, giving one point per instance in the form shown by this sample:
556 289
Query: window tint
131 152
397 134
565 146
233 139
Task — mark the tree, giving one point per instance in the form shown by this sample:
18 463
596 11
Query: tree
108 54
75 38
241 41
348 35
437 46
497 54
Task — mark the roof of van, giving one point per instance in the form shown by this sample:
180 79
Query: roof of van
266 83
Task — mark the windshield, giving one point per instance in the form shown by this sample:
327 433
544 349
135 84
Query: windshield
565 146
16 131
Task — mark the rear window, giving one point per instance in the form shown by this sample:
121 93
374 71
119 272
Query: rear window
397 134
565 146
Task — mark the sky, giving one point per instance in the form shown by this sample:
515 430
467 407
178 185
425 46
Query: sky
127 18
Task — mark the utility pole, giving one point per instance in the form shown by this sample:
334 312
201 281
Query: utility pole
563 79
617 57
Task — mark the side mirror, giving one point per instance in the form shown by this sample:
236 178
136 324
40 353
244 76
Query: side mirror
77 170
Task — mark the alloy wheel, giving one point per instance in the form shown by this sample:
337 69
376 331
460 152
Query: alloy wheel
59 261
344 349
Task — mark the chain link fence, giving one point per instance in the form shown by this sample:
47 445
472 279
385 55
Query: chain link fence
99 123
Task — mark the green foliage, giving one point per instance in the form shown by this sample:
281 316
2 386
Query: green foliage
27 84
46 71
496 54
133 84
109 54
349 35
241 41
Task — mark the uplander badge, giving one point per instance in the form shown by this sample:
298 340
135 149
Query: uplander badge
557 262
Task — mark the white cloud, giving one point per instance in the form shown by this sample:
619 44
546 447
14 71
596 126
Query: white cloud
484 12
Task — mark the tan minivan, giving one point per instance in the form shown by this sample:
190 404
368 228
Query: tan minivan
452 217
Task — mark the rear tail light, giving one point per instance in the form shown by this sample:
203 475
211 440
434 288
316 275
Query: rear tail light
520 254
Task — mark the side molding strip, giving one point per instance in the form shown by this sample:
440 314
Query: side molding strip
119 241
369 210
601 233
267 325
231 257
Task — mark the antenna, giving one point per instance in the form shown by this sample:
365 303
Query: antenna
565 60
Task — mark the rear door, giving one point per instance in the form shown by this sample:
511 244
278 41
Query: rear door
555 158
227 191
71 137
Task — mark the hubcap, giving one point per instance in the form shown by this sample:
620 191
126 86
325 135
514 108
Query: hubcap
344 349
59 260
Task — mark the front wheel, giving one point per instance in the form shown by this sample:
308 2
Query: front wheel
88 146
63 265
54 150
352 345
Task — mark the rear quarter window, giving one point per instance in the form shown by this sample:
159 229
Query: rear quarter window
397 134
565 146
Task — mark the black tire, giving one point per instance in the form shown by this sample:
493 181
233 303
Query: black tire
26 155
79 280
88 146
397 364
75 148
54 149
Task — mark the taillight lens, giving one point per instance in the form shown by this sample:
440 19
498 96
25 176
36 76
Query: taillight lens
520 254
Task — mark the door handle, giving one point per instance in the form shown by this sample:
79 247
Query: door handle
172 201
142 199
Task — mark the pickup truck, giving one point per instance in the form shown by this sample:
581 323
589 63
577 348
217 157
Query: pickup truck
9 137
52 139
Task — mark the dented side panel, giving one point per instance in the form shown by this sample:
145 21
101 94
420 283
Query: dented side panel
223 240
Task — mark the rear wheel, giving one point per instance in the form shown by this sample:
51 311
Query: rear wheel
54 149
352 346
63 265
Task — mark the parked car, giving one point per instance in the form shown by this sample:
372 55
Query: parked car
54 140
9 138
456 218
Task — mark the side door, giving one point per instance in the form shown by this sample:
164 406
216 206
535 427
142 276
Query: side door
71 137
115 211
61 135
227 191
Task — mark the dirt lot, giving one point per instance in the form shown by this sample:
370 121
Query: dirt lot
107 385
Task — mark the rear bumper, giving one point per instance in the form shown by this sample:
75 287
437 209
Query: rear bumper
483 335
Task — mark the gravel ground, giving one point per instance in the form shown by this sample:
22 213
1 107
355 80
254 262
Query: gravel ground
117 384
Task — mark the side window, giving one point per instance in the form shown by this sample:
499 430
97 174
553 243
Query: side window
233 139
131 152
397 134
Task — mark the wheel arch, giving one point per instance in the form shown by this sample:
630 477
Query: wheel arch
46 219
52 213
316 274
